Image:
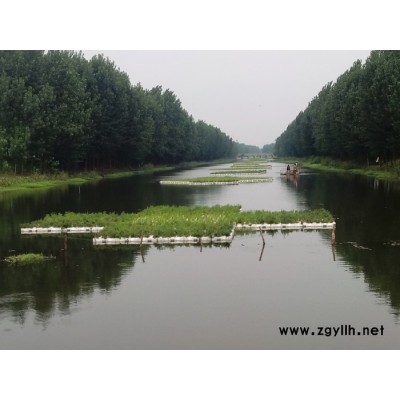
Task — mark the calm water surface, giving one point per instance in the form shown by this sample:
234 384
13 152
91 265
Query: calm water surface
215 297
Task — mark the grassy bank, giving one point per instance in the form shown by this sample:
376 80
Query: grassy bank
168 221
13 182
10 182
388 171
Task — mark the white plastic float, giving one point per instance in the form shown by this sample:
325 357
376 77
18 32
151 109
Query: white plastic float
240 172
164 240
243 180
255 180
52 229
197 183
179 239
292 226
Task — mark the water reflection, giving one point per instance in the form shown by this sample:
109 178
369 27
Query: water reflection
55 286
293 179
366 212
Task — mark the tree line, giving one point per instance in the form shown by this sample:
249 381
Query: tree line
242 149
357 118
60 111
269 148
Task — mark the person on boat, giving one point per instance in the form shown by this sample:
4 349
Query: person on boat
288 169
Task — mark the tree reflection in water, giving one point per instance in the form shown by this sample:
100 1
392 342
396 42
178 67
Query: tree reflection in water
58 285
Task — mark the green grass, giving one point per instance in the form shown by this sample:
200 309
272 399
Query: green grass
26 259
372 171
13 182
168 221
284 217
388 172
69 219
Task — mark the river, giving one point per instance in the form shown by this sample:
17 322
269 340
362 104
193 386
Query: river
237 296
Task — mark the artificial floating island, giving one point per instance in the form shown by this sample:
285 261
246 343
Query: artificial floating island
211 180
27 259
248 165
178 224
240 171
237 173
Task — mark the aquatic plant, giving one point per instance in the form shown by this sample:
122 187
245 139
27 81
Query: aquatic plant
26 259
171 221
69 219
284 217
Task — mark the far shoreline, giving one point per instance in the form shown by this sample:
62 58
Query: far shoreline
10 182
386 172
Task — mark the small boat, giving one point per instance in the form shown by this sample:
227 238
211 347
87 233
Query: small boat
293 170
290 172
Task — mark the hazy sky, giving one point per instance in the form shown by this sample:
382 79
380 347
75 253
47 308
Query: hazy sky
252 96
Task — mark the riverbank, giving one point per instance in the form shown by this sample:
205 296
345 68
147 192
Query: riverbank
387 172
12 182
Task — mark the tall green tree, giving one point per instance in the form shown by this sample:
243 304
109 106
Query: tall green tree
356 118
110 91
60 111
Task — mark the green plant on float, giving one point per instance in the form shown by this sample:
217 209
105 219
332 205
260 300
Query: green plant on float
178 221
71 219
27 259
169 221
284 217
